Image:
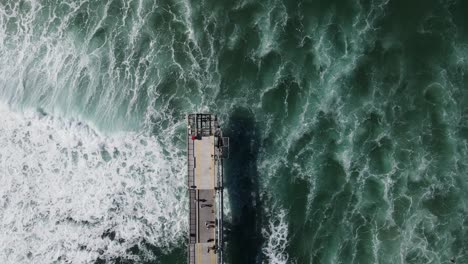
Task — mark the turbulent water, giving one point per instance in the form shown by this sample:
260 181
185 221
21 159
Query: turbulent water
348 124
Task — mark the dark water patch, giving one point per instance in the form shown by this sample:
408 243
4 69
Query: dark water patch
376 76
460 241
295 192
105 155
369 130
108 233
80 22
391 59
346 250
402 206
381 153
326 227
443 202
244 238
361 86
330 180
294 195
326 128
329 203
390 240
237 70
172 105
244 15
408 15
335 34
142 250
293 100
372 194
269 66
284 37
314 148
363 239
343 11
115 8
297 150
176 255
458 16
413 25
275 99
97 40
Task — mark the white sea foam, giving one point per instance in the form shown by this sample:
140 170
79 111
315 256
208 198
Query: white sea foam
69 195
276 236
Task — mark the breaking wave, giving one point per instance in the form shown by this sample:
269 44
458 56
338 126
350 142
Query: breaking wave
70 195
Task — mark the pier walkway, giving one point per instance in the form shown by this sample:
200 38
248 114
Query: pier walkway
206 149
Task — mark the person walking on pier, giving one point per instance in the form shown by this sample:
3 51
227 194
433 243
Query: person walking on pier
214 248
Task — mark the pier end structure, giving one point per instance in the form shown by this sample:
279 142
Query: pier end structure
206 149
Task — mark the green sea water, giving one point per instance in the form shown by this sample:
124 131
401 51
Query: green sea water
348 126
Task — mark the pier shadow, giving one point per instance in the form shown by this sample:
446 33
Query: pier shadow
243 235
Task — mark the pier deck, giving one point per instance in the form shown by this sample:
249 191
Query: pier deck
205 182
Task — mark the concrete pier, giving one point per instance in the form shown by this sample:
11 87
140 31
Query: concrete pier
206 149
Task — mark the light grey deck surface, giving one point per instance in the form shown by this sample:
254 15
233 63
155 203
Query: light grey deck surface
206 216
202 254
204 163
205 204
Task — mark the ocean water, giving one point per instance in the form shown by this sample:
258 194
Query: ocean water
348 124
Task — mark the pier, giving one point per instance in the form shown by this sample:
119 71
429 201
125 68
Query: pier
206 149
